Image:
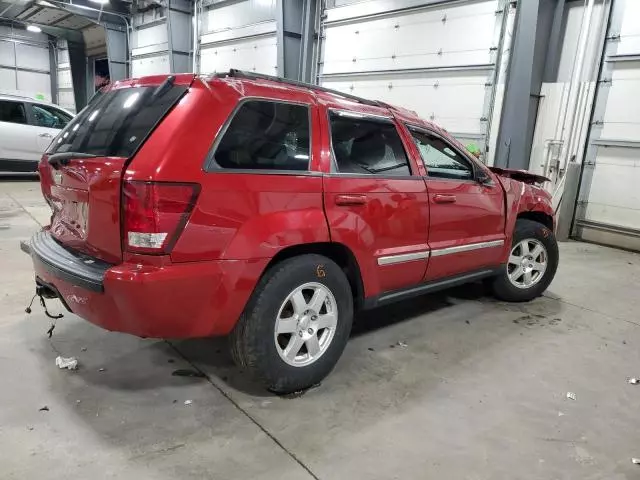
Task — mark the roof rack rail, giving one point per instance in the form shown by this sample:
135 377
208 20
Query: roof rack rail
259 76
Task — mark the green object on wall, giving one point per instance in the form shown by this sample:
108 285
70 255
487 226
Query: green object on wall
39 96
473 148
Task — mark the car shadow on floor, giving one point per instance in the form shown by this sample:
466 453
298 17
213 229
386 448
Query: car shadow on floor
213 357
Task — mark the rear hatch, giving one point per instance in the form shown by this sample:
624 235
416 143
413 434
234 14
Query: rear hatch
81 172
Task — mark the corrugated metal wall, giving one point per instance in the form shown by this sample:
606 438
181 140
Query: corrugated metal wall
66 99
24 63
608 208
150 44
437 60
239 35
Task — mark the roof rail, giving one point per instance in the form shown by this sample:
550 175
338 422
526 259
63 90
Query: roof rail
259 76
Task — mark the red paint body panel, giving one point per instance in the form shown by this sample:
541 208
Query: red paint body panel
241 220
477 215
393 220
175 301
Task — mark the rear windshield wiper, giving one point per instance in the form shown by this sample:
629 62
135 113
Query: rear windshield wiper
63 158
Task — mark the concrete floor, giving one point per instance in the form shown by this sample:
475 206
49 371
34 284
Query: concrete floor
479 392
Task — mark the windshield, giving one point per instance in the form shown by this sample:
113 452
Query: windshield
116 123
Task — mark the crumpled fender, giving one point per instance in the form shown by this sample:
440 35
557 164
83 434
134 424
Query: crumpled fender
520 175
522 197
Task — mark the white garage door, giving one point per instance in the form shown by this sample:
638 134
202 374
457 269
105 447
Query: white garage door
239 35
609 199
24 63
436 60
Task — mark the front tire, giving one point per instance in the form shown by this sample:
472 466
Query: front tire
296 324
532 263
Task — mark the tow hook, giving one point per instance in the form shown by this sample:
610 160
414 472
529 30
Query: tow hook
43 292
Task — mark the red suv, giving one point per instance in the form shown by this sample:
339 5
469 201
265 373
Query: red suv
270 210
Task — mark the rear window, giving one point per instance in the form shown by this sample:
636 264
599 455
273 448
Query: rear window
266 135
115 123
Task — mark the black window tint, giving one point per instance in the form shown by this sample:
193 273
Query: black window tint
440 159
266 135
116 123
12 112
44 116
367 147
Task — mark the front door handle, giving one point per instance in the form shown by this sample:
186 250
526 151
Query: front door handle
444 198
346 200
45 135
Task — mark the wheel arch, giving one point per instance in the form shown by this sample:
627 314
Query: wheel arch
537 216
337 252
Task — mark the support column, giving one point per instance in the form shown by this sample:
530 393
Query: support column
511 148
78 62
53 68
296 32
117 49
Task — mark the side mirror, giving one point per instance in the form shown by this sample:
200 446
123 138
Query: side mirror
483 179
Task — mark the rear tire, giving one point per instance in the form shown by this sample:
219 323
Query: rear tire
297 300
532 263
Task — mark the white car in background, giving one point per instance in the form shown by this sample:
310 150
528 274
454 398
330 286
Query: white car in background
27 127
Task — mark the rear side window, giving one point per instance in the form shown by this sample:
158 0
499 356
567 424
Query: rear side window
265 135
369 147
44 116
12 112
116 123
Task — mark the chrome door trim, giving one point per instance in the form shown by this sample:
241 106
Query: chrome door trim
403 257
466 248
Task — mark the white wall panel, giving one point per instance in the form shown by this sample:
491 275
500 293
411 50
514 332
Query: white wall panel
35 83
453 100
29 56
629 42
395 57
7 80
64 79
7 56
609 195
67 100
614 197
150 36
413 40
257 54
238 14
620 121
150 66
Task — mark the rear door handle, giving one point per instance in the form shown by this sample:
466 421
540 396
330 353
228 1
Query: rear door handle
346 200
45 135
444 198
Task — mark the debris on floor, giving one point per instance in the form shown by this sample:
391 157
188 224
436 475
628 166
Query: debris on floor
633 381
101 369
70 363
635 461
83 349
188 402
183 372
571 395
43 409
402 344
560 414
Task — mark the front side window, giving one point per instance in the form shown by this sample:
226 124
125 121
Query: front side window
12 112
266 135
440 159
366 146
49 117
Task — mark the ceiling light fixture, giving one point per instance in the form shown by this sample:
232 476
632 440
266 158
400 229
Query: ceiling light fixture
100 1
34 28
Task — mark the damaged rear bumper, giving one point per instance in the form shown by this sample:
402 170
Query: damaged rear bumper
176 300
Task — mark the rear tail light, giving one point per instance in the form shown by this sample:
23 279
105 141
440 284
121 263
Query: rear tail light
155 213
